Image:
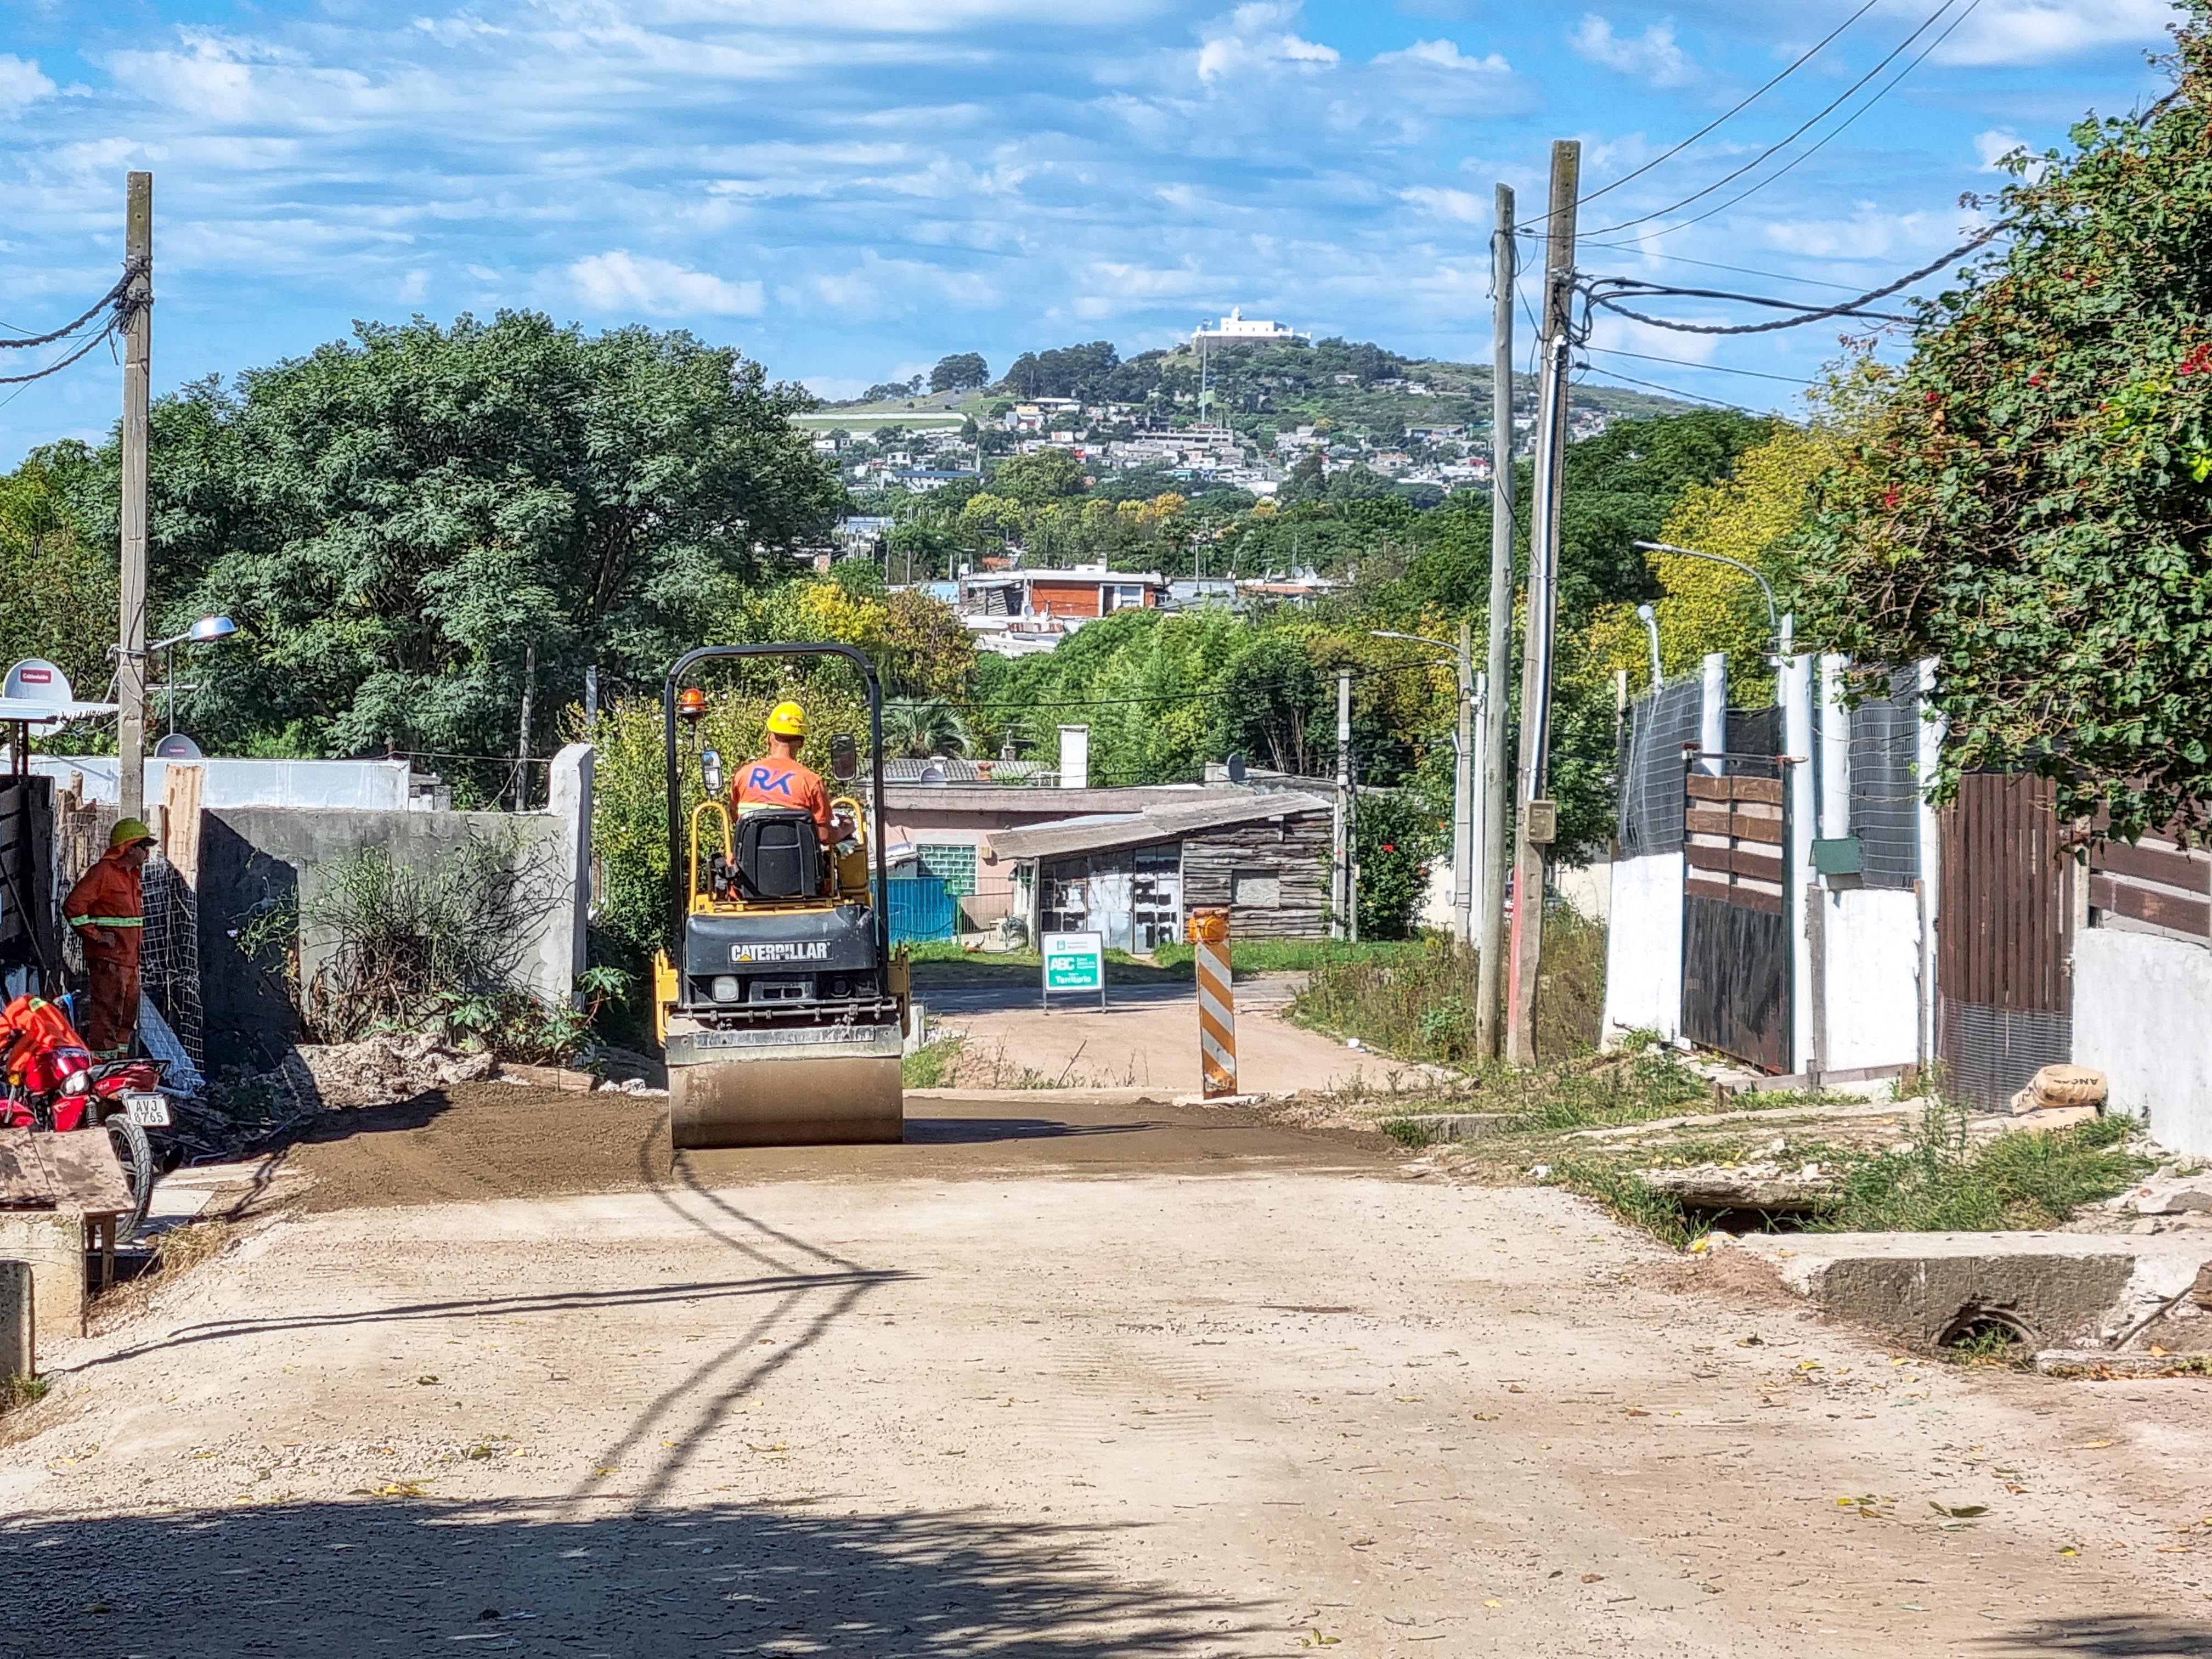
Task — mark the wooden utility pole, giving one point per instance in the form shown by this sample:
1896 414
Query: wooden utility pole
1538 815
1491 945
138 377
1463 902
1340 858
522 741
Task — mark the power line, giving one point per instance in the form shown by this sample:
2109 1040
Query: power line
1851 308
1668 154
1834 132
130 271
1653 385
1741 270
1684 362
1765 155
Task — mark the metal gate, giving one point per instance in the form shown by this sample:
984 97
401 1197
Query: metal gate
1736 958
2004 938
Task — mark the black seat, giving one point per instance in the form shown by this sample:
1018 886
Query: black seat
779 855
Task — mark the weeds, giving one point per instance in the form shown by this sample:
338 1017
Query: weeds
1410 1132
185 1247
17 1391
1947 1182
1627 1198
932 1066
1418 1000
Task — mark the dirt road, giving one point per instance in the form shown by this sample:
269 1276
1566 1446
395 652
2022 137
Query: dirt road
1086 1383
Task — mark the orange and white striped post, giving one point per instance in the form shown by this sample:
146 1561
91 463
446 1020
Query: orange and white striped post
1217 1002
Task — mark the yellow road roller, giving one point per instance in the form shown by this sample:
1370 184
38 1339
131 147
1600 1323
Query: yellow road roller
780 1005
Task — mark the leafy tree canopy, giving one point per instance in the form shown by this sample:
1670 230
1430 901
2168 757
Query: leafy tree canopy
391 519
1043 474
962 371
2030 499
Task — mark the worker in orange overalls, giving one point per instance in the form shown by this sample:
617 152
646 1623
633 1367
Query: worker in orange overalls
108 908
777 779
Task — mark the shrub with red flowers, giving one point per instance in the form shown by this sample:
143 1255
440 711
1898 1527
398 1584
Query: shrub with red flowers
2031 500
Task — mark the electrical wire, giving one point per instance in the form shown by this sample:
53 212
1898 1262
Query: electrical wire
1852 308
131 268
1668 154
1715 368
1821 115
1833 133
1653 385
59 364
1741 270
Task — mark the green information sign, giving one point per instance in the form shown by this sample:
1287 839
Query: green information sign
1075 962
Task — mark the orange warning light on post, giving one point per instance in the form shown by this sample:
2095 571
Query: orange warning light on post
1206 926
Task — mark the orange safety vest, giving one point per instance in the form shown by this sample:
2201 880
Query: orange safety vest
111 897
771 782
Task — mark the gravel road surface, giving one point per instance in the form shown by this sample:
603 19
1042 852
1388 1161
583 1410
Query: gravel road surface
1086 1380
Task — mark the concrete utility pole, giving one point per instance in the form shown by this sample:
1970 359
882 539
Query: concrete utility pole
522 740
1491 946
1539 815
137 397
1339 859
1463 793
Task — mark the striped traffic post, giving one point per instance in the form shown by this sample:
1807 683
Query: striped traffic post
1217 1003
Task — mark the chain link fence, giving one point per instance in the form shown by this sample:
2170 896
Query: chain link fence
1885 783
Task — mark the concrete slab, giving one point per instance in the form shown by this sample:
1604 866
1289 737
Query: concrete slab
19 1323
2061 1290
52 1243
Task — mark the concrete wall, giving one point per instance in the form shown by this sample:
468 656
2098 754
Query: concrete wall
1873 941
256 862
354 785
1644 947
2143 1015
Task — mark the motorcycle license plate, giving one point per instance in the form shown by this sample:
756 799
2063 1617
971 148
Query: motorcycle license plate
150 1111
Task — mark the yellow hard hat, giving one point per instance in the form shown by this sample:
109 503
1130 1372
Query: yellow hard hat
128 832
787 720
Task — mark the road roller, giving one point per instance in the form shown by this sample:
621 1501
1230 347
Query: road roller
779 1004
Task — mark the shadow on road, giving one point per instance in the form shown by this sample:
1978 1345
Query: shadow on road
976 1131
411 1577
2105 1636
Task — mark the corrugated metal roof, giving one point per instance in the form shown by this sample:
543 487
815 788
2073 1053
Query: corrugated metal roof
1069 837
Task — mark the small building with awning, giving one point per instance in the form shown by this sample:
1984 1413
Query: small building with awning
1263 854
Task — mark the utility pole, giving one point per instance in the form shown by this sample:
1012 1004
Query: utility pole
1340 859
137 397
522 742
1539 815
1463 793
1491 947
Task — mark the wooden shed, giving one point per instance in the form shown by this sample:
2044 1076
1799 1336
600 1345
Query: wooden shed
1133 876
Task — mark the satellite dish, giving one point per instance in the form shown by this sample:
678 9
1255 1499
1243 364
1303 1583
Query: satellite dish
177 746
36 680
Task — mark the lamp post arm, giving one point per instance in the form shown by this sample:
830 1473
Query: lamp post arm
1766 587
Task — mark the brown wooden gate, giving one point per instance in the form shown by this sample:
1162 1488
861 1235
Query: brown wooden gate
2004 936
1736 958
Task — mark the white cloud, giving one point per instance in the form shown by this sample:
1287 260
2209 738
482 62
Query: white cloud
1438 78
1994 145
2039 31
1461 207
1255 38
620 281
1652 56
21 85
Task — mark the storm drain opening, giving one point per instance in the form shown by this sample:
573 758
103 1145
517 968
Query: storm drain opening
1980 1335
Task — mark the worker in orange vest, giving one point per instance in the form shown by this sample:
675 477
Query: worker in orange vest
108 908
777 779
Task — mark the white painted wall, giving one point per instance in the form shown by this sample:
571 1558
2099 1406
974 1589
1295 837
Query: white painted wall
2143 1015
375 785
1872 936
1644 945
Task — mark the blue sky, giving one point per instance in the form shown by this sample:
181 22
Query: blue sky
848 189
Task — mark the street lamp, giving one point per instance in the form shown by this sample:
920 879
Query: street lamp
206 631
1463 767
1650 618
1781 629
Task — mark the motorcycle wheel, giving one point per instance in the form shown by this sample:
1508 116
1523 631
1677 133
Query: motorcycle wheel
135 1153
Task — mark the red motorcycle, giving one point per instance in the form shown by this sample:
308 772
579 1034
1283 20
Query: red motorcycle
54 1083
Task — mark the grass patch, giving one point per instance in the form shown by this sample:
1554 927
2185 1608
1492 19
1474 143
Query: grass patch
1949 1182
1296 956
931 1066
1417 1000
1627 1198
183 1248
1410 1133
17 1391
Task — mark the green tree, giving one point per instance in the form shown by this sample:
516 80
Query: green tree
2030 499
962 372
390 520
1039 477
61 588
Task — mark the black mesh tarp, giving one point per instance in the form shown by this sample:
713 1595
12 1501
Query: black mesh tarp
1885 783
1650 803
